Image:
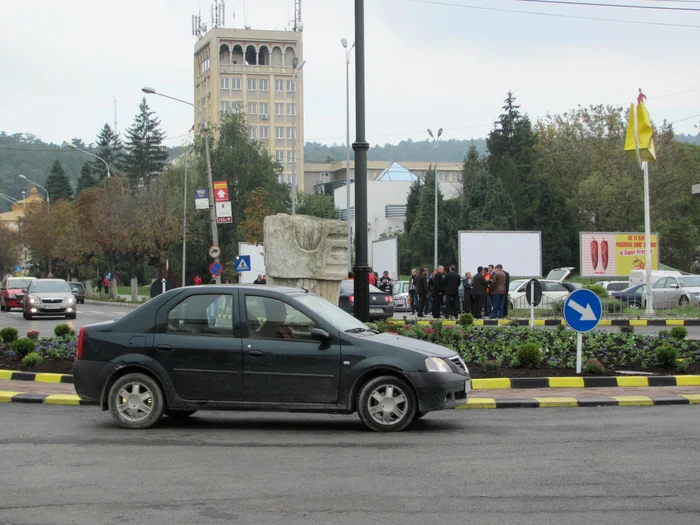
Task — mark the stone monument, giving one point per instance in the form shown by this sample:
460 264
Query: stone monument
306 252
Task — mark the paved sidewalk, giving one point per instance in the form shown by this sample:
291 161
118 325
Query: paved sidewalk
33 387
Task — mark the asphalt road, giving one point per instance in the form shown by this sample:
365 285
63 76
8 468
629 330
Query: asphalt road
623 466
87 314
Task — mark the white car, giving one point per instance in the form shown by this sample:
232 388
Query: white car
553 290
614 286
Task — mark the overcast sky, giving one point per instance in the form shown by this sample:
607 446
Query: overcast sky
428 65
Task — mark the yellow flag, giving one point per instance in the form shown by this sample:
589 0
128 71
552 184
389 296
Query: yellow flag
644 133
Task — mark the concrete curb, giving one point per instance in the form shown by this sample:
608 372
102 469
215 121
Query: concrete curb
38 377
558 322
113 303
45 399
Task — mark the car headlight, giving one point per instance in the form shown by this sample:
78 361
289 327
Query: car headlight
12 296
33 300
435 364
70 300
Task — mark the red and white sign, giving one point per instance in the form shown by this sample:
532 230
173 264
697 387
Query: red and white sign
223 213
221 191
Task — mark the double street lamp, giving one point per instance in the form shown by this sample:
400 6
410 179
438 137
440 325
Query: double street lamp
73 146
296 67
436 140
344 41
210 180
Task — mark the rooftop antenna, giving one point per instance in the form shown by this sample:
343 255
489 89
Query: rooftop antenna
298 25
198 28
245 16
218 14
115 114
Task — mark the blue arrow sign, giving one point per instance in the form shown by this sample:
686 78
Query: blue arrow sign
242 263
582 310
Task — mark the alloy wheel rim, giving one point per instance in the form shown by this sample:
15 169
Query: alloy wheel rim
135 402
387 404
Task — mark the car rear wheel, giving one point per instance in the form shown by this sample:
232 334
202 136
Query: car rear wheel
684 301
179 414
136 401
386 404
2 307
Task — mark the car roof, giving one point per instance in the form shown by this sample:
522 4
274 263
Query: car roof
51 280
252 288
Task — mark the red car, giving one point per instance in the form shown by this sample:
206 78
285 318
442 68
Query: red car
12 292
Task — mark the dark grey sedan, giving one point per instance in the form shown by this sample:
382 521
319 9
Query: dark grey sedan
381 305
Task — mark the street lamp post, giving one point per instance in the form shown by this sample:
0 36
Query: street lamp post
48 205
435 141
184 228
296 67
344 41
210 179
73 146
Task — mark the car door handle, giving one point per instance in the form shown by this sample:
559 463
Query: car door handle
255 353
164 348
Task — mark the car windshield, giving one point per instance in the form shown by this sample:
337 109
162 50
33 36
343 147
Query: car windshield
514 285
687 282
19 283
76 286
331 313
49 287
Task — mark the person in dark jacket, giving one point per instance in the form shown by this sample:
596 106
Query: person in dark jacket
412 295
438 291
452 284
467 285
505 305
478 293
429 301
422 290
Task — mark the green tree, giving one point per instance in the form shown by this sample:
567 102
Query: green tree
145 153
473 165
86 179
421 238
553 218
57 183
489 204
412 202
109 148
316 205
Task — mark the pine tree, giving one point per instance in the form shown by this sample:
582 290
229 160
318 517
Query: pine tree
109 148
554 219
489 205
412 202
145 153
421 238
57 183
473 164
86 179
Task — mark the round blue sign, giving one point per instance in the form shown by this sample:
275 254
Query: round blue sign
582 310
215 268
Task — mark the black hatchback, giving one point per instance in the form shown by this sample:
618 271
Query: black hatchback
260 348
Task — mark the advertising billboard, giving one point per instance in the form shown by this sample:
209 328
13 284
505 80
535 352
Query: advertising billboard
385 256
519 252
616 254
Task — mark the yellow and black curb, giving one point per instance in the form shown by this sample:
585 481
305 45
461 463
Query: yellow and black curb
559 322
564 402
38 377
45 399
584 382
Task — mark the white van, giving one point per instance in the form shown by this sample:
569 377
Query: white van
640 276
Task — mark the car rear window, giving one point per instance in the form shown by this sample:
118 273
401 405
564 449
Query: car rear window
617 287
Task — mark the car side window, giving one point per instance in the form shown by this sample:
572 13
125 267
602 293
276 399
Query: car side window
671 282
553 287
270 318
210 314
661 283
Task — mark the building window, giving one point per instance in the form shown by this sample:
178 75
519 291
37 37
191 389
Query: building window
279 132
279 85
252 84
236 84
279 154
252 108
264 109
264 132
291 133
291 109
290 86
291 156
325 177
279 108
223 107
252 132
264 84
223 83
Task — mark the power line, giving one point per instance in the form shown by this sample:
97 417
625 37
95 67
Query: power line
596 4
556 15
686 118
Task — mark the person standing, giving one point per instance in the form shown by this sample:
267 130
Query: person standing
197 280
506 301
438 291
431 280
373 278
412 295
498 292
467 285
385 283
479 293
452 284
259 279
487 276
422 290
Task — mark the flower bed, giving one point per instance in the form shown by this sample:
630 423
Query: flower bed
492 352
57 354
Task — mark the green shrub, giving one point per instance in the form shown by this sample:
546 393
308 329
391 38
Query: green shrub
561 327
598 290
466 319
63 330
491 366
529 355
593 366
666 355
9 335
679 332
664 333
23 347
682 366
32 359
33 335
627 329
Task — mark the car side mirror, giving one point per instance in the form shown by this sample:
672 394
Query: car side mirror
674 285
319 334
24 290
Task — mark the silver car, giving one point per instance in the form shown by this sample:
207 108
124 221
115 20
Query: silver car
671 292
46 297
401 296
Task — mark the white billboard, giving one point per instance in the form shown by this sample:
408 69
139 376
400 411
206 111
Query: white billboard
385 256
519 252
257 261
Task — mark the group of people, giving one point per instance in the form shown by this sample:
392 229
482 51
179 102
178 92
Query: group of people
485 293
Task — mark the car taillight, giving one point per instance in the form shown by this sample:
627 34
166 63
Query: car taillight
351 299
389 299
81 340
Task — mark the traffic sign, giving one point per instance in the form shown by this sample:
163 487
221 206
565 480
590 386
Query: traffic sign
582 310
242 263
533 288
221 191
223 212
201 199
216 268
108 275
214 251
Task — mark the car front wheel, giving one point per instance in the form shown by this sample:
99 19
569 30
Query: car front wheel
386 404
27 316
136 401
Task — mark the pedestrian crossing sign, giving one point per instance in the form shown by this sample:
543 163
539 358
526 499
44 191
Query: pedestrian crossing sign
242 263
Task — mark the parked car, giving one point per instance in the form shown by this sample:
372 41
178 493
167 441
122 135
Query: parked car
614 286
671 292
78 291
401 297
553 290
11 293
49 297
632 296
640 276
381 305
279 349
